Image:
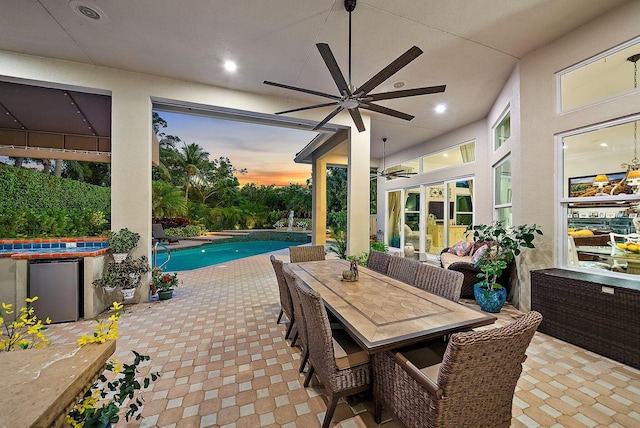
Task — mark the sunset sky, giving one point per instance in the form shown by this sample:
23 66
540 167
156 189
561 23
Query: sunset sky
267 152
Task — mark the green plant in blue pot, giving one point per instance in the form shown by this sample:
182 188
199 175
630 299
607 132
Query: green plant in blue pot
502 244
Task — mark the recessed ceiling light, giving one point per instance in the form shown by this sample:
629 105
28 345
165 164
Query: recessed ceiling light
88 11
440 108
603 144
230 66
399 84
446 155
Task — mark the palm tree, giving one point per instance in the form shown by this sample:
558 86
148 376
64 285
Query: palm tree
192 158
167 200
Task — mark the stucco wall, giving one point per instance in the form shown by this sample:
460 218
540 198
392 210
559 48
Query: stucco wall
536 175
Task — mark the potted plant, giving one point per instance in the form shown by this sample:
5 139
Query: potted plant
125 275
122 242
163 282
501 246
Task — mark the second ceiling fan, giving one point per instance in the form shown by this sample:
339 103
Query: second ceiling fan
352 98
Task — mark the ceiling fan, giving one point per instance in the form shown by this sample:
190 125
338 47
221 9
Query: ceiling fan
400 173
352 98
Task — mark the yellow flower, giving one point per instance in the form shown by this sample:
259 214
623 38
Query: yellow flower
116 306
31 300
84 339
47 321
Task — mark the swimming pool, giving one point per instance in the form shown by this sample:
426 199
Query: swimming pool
212 254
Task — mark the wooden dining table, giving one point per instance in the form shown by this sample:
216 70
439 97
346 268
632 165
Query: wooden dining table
382 313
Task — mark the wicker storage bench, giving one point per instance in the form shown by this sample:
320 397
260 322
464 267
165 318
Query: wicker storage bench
595 312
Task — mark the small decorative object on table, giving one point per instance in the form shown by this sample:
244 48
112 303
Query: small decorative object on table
351 275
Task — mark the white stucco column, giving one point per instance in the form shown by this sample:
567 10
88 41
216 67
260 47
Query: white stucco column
319 201
359 191
131 165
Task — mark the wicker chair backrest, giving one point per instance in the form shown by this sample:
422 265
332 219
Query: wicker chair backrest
306 253
479 372
378 261
319 335
440 281
301 322
403 269
285 296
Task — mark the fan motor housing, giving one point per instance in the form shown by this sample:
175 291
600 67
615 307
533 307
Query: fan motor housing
349 5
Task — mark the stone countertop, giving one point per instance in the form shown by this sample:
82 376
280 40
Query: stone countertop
40 386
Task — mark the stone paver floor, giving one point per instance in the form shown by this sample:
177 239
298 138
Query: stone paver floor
224 362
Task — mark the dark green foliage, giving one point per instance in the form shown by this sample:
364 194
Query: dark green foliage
28 189
33 204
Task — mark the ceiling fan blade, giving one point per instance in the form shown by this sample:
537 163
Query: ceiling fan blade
308 91
307 108
357 119
328 118
333 67
386 110
391 69
406 93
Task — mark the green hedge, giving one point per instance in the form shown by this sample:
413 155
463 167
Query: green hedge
37 205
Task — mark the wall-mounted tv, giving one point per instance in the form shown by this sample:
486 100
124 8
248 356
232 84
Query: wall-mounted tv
437 209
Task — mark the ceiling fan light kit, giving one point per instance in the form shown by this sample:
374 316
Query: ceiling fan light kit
352 99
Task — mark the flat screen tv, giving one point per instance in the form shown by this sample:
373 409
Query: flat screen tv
437 209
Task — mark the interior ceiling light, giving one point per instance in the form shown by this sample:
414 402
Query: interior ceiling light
89 12
230 66
441 108
399 84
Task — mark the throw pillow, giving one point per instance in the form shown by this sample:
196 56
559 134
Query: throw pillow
461 248
477 255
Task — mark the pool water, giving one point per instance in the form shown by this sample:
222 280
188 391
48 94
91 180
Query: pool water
212 254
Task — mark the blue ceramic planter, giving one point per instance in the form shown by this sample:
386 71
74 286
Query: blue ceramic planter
492 301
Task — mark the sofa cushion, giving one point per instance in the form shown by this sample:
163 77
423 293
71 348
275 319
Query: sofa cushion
448 258
477 254
461 248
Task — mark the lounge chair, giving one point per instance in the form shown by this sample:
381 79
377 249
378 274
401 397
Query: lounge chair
158 233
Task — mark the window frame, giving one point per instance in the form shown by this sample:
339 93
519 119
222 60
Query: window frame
496 125
584 63
496 206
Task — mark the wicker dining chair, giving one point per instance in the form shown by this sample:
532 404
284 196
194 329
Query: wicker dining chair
301 327
306 253
286 304
440 281
403 269
338 362
473 386
378 261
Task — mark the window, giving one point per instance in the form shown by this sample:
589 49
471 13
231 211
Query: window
599 78
459 155
502 131
600 196
502 193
